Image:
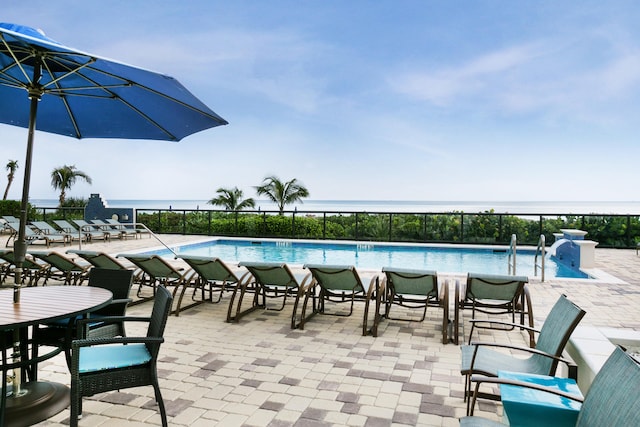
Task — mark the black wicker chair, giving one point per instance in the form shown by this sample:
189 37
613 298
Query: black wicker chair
107 364
61 333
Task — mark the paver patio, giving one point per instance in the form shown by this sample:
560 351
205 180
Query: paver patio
261 373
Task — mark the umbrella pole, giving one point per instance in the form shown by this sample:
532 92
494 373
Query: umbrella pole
20 244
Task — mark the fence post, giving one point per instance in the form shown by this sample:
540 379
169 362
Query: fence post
425 227
293 225
264 223
541 218
324 226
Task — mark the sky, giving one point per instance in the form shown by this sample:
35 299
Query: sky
362 100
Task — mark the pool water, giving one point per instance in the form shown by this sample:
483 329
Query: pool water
444 259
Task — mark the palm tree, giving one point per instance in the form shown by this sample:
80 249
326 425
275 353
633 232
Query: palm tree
282 193
12 166
63 179
231 199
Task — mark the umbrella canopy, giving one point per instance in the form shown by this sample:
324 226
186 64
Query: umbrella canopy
47 86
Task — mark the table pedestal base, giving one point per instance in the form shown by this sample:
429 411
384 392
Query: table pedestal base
38 401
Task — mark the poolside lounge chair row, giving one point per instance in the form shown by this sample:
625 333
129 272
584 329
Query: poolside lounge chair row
251 285
67 233
44 265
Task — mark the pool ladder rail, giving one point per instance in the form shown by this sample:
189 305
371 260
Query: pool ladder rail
540 253
511 259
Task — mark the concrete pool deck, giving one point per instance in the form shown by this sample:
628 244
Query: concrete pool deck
261 373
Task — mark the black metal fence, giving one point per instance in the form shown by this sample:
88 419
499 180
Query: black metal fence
610 231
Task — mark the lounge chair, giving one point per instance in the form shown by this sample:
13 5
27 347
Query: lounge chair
104 260
210 275
120 363
88 234
63 268
120 232
492 295
482 358
127 228
10 218
266 280
341 284
612 398
93 229
416 289
156 272
31 269
31 236
43 227
4 223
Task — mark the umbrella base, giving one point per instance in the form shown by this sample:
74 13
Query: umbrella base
38 401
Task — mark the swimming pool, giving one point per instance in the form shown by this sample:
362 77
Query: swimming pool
444 258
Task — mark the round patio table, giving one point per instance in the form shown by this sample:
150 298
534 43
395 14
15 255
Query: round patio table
39 400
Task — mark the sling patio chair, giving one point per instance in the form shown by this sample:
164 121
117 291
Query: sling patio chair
43 227
110 364
32 236
85 234
60 333
156 272
612 398
94 230
340 284
63 268
487 358
492 295
128 228
32 270
120 232
416 289
266 280
210 275
104 260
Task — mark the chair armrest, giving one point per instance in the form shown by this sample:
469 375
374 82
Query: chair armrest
498 322
121 301
112 319
75 344
481 379
306 281
373 289
516 348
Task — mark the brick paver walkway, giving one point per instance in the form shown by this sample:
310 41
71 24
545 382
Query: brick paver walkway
259 372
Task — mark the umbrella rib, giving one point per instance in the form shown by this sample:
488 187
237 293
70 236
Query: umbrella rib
65 73
62 92
15 59
11 82
149 119
70 71
155 92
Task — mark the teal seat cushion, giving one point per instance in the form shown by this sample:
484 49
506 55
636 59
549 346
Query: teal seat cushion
101 357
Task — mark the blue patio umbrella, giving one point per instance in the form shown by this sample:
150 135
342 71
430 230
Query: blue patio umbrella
50 87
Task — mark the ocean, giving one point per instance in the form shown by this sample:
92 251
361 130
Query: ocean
407 206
